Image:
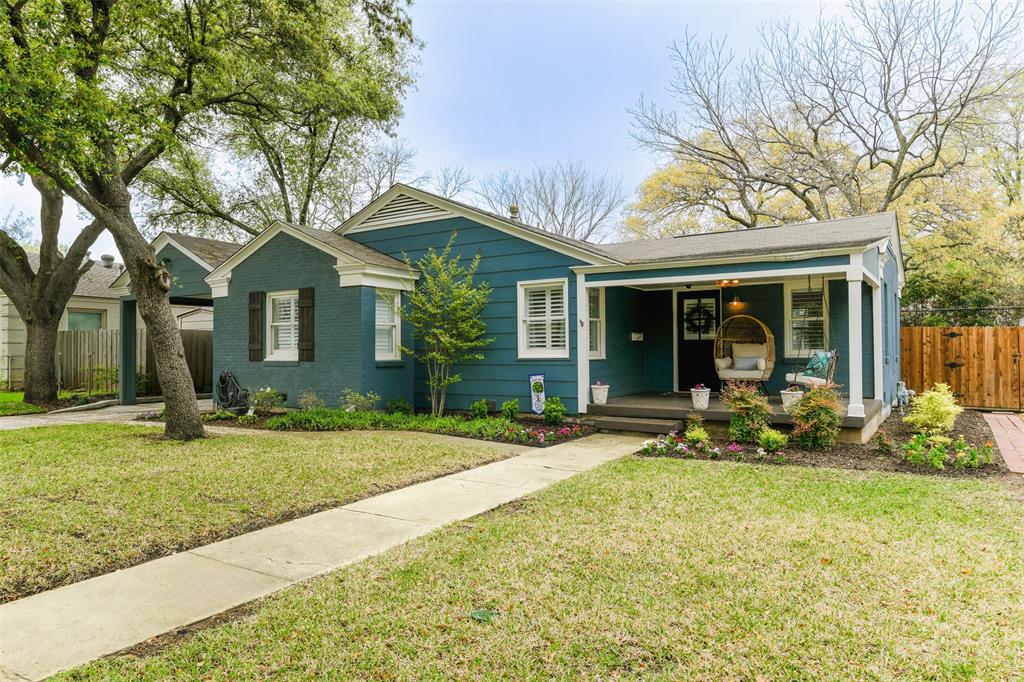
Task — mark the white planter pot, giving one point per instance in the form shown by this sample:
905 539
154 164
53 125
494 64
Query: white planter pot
600 394
700 398
790 398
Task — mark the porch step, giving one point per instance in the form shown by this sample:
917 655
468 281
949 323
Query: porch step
634 424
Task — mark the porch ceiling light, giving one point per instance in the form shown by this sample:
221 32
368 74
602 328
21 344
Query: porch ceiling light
722 283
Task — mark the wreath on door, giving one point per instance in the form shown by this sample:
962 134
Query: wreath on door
700 319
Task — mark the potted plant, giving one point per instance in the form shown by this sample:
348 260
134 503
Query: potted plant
791 396
599 391
700 394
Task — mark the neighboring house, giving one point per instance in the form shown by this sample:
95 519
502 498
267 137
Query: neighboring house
301 310
93 306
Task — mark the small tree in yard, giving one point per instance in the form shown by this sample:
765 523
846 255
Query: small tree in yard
445 313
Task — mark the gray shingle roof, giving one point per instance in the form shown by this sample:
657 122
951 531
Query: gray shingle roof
794 237
212 251
95 282
358 251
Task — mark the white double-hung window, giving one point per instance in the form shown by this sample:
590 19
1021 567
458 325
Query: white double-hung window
283 325
387 329
595 300
806 318
543 318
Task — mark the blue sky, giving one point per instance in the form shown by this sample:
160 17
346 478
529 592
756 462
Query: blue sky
509 85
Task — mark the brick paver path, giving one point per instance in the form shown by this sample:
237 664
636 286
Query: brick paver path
1008 430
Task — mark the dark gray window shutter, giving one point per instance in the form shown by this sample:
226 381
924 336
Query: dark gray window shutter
256 299
306 299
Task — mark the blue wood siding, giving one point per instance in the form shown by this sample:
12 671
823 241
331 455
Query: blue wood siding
501 375
343 340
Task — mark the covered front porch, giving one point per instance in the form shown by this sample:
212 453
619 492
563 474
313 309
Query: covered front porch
651 333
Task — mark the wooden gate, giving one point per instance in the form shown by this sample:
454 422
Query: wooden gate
981 364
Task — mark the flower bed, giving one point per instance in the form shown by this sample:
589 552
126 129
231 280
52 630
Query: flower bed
483 428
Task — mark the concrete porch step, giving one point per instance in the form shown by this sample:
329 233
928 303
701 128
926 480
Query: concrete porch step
632 424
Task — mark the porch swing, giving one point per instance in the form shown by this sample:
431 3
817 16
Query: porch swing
820 369
744 349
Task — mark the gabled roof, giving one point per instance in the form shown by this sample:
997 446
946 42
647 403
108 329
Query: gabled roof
840 233
94 283
406 205
206 253
347 251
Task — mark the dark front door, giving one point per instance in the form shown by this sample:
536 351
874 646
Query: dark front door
698 317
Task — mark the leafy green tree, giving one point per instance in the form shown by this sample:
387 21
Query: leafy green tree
93 92
445 312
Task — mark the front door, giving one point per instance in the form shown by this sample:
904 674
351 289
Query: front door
698 317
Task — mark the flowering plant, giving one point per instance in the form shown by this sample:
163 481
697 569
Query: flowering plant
699 387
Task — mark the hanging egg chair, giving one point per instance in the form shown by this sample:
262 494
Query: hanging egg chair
744 349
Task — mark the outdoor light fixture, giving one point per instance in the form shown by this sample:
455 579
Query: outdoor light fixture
736 302
722 283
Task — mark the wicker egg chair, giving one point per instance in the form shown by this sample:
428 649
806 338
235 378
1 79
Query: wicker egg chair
745 329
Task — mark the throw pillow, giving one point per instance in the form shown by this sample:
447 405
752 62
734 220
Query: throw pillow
761 364
745 363
723 363
817 366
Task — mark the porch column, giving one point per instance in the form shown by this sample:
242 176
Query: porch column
582 343
126 372
876 334
854 277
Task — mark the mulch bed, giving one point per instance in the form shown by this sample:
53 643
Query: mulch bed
869 457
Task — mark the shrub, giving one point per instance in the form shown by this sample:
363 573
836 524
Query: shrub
698 438
510 410
353 401
554 411
694 419
265 400
884 444
816 418
248 419
934 412
750 411
218 416
772 441
938 451
309 400
478 409
398 406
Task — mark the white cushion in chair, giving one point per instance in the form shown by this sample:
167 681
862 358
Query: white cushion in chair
750 350
741 374
804 380
723 363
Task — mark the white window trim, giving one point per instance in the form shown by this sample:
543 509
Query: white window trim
540 353
396 328
291 355
600 353
788 288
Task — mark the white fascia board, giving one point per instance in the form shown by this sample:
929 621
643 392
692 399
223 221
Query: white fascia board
756 274
722 260
352 225
362 275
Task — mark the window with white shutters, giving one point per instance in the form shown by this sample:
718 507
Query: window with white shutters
387 336
544 319
283 325
806 319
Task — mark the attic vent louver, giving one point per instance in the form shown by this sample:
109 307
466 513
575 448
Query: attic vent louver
403 210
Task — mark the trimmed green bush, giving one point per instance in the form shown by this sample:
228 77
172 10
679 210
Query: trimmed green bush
554 411
510 410
772 441
353 401
750 411
398 406
934 412
478 409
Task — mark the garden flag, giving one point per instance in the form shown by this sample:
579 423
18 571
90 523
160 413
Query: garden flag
537 393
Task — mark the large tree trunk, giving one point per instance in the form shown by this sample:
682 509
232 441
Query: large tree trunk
151 283
40 365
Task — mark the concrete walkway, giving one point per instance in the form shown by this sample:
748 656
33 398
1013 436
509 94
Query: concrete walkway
1008 431
114 414
56 630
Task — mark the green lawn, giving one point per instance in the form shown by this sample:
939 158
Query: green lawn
79 500
664 569
13 402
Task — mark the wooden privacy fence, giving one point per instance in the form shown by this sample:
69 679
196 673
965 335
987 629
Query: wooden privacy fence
88 360
981 364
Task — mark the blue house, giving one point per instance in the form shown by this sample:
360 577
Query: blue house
300 310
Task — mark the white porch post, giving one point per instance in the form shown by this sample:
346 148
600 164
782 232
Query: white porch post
854 277
582 343
876 335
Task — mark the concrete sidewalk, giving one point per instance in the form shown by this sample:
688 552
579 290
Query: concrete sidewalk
56 630
114 414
